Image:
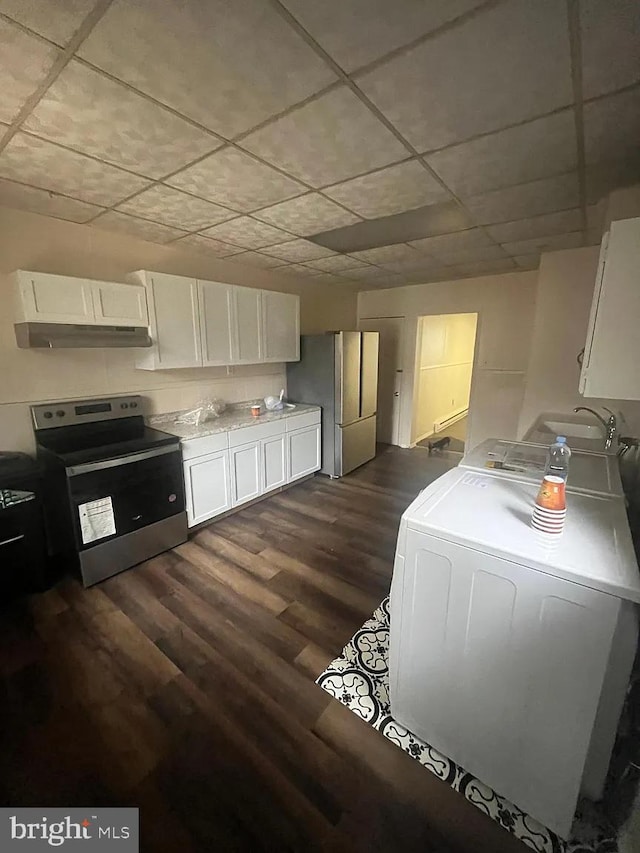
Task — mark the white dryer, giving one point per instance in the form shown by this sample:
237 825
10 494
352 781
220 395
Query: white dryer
511 650
597 473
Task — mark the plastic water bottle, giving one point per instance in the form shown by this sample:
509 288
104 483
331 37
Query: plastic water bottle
558 458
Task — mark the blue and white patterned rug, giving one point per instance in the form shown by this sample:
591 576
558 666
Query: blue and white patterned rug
359 679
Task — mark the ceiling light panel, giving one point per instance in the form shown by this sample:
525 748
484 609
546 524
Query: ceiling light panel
228 66
331 138
115 124
43 164
507 65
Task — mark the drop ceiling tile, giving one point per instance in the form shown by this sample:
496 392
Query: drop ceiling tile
297 250
235 179
538 226
166 205
593 237
53 19
364 272
228 66
484 268
336 263
329 278
528 262
50 167
447 244
390 190
537 149
612 127
355 32
299 269
524 200
513 60
573 240
327 140
463 256
596 215
95 115
602 178
112 220
26 61
248 233
420 264
307 214
387 254
45 202
207 246
254 259
610 31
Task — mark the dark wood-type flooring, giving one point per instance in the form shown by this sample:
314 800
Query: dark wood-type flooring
185 686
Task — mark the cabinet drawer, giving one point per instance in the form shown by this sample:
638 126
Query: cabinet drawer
254 433
192 447
300 421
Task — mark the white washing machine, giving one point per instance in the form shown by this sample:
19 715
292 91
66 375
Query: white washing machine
510 649
588 472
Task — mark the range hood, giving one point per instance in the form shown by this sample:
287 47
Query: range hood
73 336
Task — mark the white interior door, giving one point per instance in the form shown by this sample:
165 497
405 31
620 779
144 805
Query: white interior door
389 375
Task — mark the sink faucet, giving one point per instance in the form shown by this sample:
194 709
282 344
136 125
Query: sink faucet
610 425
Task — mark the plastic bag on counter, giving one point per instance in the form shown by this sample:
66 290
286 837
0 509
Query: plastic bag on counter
205 410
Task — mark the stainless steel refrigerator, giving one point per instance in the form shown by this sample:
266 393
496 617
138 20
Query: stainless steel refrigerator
339 371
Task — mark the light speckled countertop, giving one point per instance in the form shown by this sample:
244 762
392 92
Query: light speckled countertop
235 417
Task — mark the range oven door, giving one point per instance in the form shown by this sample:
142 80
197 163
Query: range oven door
114 497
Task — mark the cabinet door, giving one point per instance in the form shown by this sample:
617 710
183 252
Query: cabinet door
216 311
245 472
281 326
116 304
208 486
176 325
55 298
612 350
247 325
273 462
303 452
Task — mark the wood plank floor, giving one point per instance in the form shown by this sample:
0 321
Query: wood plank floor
186 687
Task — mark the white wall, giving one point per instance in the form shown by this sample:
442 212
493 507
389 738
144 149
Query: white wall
38 243
505 308
447 343
566 281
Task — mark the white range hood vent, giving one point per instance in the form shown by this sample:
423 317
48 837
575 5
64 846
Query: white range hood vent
73 336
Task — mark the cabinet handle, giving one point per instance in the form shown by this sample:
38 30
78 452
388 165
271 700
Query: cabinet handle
580 357
15 539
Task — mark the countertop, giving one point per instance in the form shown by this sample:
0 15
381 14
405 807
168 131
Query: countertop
234 417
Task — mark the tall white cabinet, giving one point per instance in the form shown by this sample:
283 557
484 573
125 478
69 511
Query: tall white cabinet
197 323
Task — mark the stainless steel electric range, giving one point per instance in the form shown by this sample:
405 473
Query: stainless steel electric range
114 490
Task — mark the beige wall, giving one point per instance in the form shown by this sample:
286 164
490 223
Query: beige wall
32 242
446 349
565 289
505 306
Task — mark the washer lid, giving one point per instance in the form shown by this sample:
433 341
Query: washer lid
492 514
588 472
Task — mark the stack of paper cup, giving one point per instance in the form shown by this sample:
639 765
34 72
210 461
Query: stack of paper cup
550 509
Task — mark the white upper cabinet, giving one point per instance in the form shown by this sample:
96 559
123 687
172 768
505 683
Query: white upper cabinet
281 326
612 350
247 324
116 304
216 322
174 320
208 323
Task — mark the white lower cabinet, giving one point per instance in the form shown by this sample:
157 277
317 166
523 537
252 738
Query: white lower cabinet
226 470
245 473
208 486
303 452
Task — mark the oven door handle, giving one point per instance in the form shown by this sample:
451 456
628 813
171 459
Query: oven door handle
13 539
87 467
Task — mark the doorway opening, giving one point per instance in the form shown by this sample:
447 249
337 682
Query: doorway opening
444 366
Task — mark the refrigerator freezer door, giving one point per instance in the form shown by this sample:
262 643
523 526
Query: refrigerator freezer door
369 374
355 444
347 377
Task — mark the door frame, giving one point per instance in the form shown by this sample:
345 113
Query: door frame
402 338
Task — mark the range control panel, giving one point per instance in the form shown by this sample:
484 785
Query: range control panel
71 412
